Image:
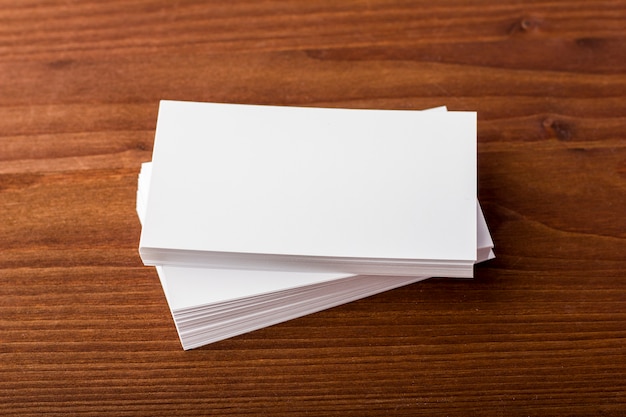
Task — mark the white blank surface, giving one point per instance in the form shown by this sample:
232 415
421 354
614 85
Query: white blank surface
310 182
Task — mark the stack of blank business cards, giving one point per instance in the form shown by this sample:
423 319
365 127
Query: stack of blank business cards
254 215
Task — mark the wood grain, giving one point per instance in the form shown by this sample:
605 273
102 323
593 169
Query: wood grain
541 330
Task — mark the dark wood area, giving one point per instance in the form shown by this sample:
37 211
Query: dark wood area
540 331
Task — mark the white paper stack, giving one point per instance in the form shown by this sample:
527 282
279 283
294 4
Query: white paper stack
254 215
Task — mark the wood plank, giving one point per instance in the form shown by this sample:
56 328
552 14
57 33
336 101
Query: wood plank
84 327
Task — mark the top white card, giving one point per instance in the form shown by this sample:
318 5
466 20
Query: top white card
309 188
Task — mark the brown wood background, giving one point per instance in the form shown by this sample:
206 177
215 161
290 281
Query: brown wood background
541 331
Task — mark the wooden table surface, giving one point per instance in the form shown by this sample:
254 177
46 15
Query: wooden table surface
541 330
